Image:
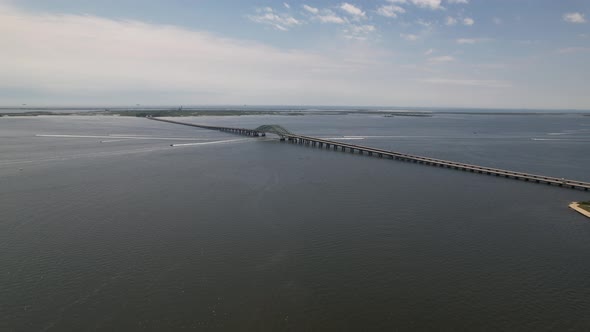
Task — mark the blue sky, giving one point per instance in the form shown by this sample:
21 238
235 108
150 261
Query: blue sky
447 53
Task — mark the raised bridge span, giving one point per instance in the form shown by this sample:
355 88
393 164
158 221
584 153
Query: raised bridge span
285 135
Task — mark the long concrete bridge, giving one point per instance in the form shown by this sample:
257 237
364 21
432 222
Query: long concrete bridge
239 131
360 149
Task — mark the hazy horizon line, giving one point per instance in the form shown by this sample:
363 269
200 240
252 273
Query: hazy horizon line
280 106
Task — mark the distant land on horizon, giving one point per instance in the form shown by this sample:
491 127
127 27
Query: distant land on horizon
229 110
285 108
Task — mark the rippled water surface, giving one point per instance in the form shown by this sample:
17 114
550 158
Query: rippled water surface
105 226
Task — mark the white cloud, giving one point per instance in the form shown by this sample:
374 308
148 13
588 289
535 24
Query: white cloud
450 20
269 17
441 59
574 18
469 82
364 28
310 9
83 58
330 18
390 10
497 20
409 36
466 41
432 4
352 10
359 32
397 1
463 41
69 59
288 6
429 52
424 23
324 15
458 1
468 21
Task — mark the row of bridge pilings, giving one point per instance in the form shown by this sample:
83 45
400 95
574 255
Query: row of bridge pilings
328 144
240 131
336 146
332 145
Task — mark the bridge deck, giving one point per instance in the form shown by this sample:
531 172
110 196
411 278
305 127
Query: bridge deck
241 131
315 141
440 162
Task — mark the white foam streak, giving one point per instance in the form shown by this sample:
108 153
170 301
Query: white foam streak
111 154
214 142
126 137
346 138
560 139
112 141
365 137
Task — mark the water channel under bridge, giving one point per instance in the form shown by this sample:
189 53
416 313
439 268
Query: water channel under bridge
286 135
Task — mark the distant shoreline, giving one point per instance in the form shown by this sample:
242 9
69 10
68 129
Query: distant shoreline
209 112
286 107
197 111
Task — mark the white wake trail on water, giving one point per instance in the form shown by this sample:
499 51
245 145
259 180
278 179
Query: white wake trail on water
117 153
365 137
214 142
561 139
125 137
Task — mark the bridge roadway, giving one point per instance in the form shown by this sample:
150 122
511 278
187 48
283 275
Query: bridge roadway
329 144
239 131
323 143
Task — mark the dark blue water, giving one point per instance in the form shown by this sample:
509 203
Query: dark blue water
100 233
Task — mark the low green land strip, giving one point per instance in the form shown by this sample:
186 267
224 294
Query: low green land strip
204 112
156 113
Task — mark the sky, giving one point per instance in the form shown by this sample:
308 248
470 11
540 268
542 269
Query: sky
532 54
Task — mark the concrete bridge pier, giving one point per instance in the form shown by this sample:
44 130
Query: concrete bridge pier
318 142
